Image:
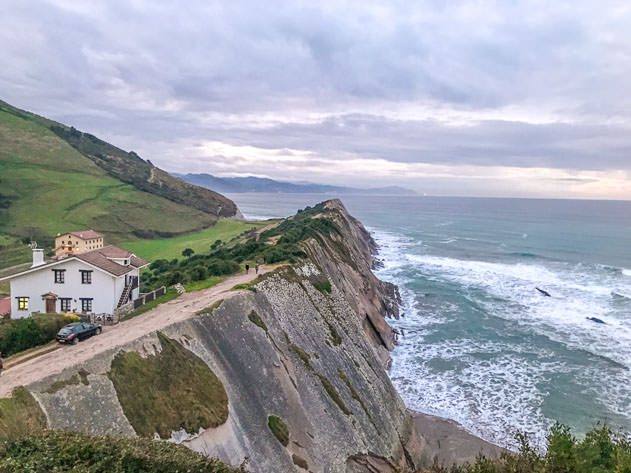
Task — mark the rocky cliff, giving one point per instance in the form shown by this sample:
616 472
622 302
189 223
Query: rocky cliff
288 376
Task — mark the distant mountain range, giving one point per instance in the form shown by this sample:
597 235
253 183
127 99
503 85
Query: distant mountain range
259 184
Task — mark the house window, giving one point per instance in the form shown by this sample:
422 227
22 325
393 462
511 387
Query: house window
65 304
86 276
59 275
86 304
22 303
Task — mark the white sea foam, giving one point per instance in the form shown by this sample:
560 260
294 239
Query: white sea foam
562 317
626 272
494 389
491 398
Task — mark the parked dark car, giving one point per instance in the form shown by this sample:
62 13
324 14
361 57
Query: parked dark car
74 332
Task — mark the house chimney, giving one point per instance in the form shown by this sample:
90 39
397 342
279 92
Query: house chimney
38 257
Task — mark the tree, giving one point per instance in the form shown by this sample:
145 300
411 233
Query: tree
188 252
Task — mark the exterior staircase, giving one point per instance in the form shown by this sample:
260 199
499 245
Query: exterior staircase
126 294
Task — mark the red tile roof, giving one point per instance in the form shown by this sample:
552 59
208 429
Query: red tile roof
87 234
101 259
112 251
5 305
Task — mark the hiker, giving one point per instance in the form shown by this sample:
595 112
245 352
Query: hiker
247 268
256 268
1 365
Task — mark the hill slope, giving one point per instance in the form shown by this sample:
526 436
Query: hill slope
130 168
49 186
258 184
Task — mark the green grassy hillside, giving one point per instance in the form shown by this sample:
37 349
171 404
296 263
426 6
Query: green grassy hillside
48 186
130 168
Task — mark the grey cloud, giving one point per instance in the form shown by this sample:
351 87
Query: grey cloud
149 73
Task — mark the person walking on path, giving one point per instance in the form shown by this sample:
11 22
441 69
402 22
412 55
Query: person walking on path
247 268
1 364
256 268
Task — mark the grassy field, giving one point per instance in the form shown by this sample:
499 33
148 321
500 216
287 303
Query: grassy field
169 248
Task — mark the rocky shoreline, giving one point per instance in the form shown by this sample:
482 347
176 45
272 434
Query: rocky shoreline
449 442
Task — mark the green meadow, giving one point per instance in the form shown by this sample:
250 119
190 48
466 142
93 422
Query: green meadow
169 248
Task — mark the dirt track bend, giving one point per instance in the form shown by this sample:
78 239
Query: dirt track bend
163 315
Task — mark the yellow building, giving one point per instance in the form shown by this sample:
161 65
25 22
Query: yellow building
74 243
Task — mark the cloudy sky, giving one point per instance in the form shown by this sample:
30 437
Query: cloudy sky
492 98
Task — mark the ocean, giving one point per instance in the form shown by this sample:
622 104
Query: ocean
482 345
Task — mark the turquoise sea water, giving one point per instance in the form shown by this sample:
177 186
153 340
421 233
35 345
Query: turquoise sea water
482 345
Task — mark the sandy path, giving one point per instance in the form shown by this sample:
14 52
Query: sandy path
163 315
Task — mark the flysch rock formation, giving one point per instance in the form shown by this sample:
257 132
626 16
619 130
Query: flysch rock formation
288 348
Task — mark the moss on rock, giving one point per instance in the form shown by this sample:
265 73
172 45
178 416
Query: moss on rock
209 310
81 377
279 429
257 320
323 287
299 461
303 355
333 393
354 393
167 392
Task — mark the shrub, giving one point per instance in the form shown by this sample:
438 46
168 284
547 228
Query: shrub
74 452
17 335
175 277
599 452
199 273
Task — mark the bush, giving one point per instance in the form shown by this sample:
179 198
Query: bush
599 452
279 244
199 273
74 452
17 335
175 277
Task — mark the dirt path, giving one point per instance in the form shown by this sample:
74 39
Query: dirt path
163 315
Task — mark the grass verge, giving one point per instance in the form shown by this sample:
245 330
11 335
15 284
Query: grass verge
170 294
205 284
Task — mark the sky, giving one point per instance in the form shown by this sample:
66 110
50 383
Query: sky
480 98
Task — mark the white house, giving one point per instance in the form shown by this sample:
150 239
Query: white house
96 281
